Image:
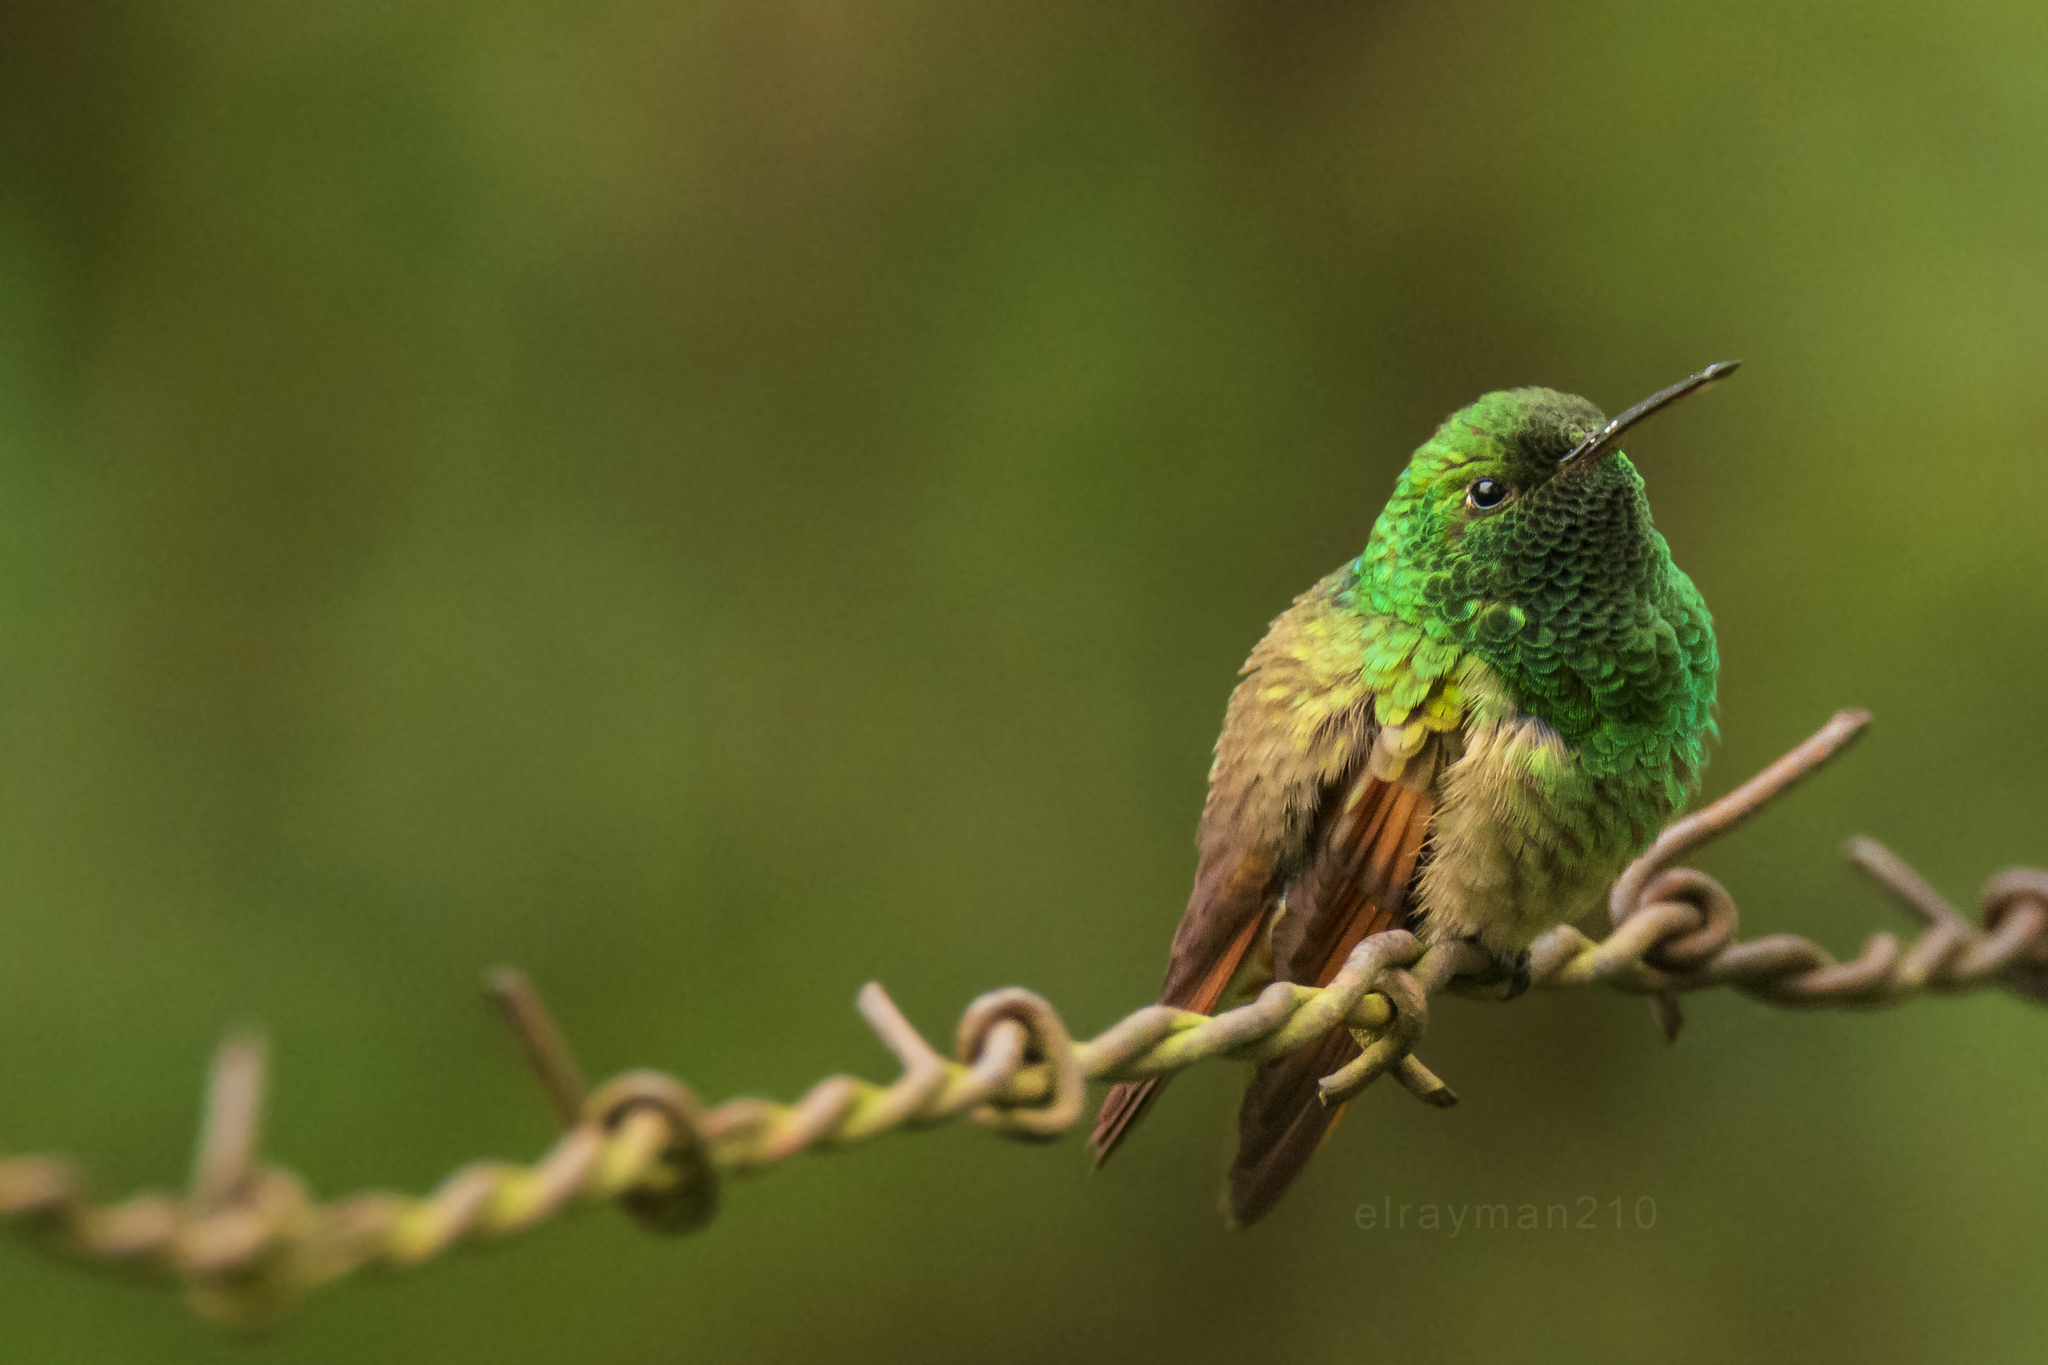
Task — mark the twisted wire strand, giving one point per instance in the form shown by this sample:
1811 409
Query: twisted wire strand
249 1240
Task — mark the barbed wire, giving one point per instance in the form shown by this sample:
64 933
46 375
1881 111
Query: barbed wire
248 1239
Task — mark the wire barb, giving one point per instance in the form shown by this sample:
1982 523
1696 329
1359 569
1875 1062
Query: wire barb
540 1041
232 1129
248 1241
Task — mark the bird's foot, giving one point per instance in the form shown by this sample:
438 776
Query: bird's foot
1518 975
1514 970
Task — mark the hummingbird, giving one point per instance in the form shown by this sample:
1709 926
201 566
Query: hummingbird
1468 731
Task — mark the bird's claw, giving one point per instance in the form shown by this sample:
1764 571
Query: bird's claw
1514 970
1518 975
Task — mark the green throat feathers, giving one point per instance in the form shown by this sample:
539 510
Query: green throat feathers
1562 587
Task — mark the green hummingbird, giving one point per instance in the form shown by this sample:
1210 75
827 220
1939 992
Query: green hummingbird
1467 731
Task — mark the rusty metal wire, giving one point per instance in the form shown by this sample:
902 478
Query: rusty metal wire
248 1240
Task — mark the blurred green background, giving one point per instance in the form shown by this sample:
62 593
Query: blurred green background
715 503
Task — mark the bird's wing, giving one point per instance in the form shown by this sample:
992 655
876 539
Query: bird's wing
1234 891
1334 702
1357 883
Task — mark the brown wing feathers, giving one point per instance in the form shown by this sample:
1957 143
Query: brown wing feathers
1357 885
1223 917
1363 860
1364 854
1298 834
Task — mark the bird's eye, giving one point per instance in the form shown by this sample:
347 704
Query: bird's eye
1486 494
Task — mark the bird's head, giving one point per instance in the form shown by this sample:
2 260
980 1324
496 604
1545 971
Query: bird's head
1520 532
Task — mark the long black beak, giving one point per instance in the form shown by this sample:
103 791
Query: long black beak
1604 439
